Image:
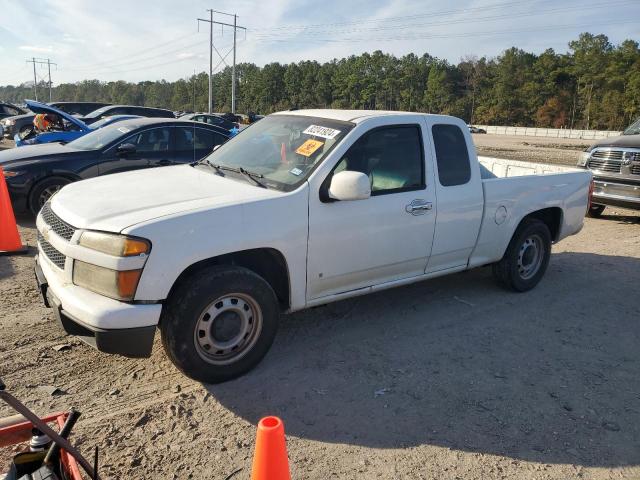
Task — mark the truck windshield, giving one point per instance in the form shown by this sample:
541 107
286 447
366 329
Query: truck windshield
284 149
633 129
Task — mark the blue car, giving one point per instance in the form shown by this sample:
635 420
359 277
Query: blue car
71 129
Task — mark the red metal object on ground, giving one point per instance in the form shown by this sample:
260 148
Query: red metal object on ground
21 432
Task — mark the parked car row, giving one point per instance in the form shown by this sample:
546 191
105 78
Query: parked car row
35 172
22 124
74 117
67 127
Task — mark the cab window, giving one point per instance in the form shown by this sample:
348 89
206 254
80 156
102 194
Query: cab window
452 156
392 158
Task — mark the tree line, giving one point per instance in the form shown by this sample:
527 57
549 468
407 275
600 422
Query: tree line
595 85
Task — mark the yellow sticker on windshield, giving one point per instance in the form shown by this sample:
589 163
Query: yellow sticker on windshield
308 147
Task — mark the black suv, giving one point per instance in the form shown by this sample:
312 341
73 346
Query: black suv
112 110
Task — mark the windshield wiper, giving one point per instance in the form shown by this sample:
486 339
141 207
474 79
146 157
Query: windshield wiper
253 176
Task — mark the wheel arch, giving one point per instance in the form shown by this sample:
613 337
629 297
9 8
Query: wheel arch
551 217
66 175
268 263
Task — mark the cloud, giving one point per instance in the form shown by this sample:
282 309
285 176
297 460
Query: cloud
186 55
36 48
71 39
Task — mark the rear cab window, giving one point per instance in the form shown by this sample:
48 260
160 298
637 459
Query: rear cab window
452 156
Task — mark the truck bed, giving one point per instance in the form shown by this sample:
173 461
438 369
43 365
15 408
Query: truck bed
499 168
513 188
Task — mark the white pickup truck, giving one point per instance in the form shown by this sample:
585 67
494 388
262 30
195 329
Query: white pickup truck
300 209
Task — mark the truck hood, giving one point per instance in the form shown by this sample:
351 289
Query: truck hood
115 202
629 141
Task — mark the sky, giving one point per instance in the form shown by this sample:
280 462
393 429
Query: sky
151 40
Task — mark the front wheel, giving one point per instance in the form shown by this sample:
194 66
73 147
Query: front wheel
527 257
219 323
43 192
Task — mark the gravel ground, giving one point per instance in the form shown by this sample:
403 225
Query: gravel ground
452 378
533 149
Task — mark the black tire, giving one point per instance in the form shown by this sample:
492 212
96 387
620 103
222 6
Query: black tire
43 191
595 211
186 331
527 257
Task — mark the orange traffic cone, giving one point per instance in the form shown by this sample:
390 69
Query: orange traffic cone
10 242
270 461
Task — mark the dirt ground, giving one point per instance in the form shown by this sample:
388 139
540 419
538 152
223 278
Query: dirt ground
533 149
452 378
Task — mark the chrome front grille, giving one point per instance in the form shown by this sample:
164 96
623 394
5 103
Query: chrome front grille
51 252
58 226
604 165
608 154
635 169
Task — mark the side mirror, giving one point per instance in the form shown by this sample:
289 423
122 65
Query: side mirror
126 149
348 185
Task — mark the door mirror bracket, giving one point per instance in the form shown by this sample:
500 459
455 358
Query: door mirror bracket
126 149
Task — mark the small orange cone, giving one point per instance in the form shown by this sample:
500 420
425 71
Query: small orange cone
10 242
270 461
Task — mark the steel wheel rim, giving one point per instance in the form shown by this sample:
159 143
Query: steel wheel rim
530 257
47 193
227 329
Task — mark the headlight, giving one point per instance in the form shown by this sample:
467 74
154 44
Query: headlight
112 244
8 122
120 285
11 174
584 158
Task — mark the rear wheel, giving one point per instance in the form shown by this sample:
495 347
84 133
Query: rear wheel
43 191
595 211
219 323
527 257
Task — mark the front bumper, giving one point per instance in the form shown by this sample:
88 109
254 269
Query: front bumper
97 320
613 193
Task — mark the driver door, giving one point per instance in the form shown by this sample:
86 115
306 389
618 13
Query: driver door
362 243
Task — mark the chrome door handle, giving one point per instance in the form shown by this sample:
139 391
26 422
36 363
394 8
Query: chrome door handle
418 207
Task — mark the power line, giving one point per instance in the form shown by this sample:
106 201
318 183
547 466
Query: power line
398 18
432 36
141 52
452 22
128 62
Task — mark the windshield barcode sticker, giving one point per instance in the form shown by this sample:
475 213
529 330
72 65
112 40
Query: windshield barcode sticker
324 132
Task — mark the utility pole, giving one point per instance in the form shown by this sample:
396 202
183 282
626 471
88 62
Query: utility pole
210 61
235 26
233 69
35 80
41 61
49 68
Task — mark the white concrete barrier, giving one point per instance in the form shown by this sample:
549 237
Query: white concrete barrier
549 132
